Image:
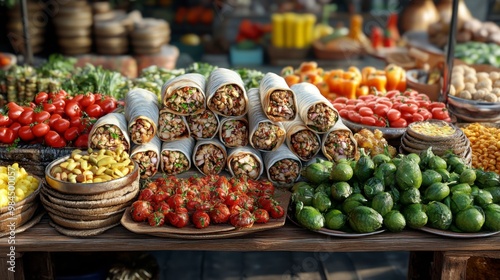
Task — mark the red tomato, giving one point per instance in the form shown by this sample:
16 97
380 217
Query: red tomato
392 93
108 105
400 123
15 126
439 113
5 120
368 120
41 116
87 100
49 107
200 219
71 133
41 129
94 111
407 116
82 141
365 111
60 125
381 122
244 219
53 119
381 109
360 105
436 104
340 100
140 210
53 139
354 116
176 201
60 105
408 108
77 98
14 110
7 135
344 113
417 117
156 219
220 213
261 216
277 212
26 117
393 114
162 207
72 109
25 133
41 97
350 107
425 113
179 218
339 106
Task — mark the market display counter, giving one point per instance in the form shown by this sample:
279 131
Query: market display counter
449 259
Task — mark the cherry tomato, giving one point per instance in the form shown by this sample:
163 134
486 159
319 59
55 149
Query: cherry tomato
261 216
60 105
178 218
49 107
360 105
77 98
41 116
425 113
60 125
87 100
26 117
407 116
71 133
381 122
41 97
344 113
94 111
40 129
244 219
439 113
350 107
7 135
156 219
368 120
277 212
354 116
436 105
53 139
25 133
14 110
108 105
339 106
381 109
393 114
200 219
72 109
408 108
15 127
82 141
417 117
5 120
53 119
392 93
365 111
400 123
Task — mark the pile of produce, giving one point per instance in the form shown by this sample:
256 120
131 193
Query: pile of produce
351 83
24 184
205 201
394 109
478 53
485 146
470 30
407 191
467 83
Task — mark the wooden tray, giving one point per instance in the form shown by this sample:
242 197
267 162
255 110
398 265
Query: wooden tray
211 232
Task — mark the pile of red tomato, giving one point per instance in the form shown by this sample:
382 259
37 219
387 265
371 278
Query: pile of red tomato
54 119
394 109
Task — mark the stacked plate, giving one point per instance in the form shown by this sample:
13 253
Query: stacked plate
87 209
149 36
440 135
112 29
73 24
36 27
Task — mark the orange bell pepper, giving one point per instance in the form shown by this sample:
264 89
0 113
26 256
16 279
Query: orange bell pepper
366 72
377 81
323 87
362 91
334 80
311 78
402 82
349 88
393 74
356 71
292 79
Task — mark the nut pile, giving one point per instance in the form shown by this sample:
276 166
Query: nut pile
468 84
94 166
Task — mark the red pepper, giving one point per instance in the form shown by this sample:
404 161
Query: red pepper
376 37
388 40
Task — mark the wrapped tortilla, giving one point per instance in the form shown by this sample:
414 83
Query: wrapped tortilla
110 132
209 156
265 135
339 143
233 132
226 94
185 94
141 112
245 161
278 100
147 156
176 156
282 166
204 125
172 127
315 110
302 141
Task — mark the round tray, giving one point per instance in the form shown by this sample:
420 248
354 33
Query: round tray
88 188
388 132
458 234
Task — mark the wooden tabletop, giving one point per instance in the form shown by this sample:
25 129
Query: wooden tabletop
42 237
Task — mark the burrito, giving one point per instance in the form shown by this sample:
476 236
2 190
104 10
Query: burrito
283 167
265 135
278 100
172 127
245 161
233 132
209 156
110 132
176 156
204 125
302 141
141 112
147 157
184 94
339 143
226 94
315 110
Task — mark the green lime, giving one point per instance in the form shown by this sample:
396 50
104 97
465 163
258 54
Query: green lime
341 172
340 191
335 219
394 221
469 220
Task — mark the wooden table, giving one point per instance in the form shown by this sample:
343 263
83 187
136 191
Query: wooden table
448 260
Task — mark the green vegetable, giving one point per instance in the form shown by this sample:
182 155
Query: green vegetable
408 175
439 215
364 167
309 217
364 219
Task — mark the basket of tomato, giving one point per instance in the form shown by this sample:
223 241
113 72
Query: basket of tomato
49 127
391 113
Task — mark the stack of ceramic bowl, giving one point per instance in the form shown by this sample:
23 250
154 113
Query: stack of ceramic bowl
149 36
440 135
73 24
21 214
87 209
36 27
112 29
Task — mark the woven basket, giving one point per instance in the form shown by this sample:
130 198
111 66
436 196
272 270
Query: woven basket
78 224
81 232
30 199
81 212
46 189
75 214
18 219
